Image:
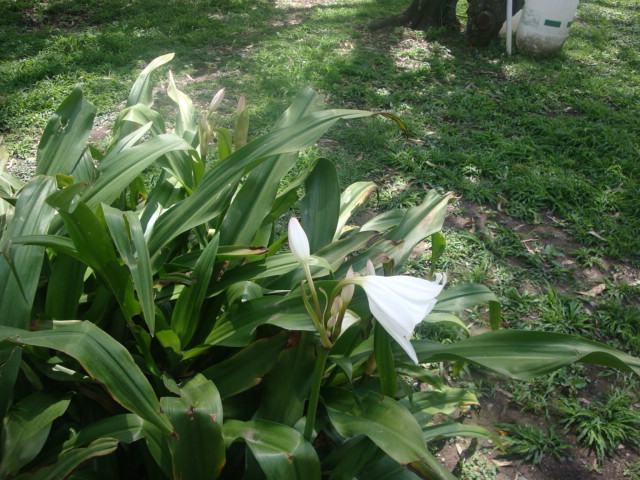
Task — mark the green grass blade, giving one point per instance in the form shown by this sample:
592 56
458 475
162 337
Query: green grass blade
105 360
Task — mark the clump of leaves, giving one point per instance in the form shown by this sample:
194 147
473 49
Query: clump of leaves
168 320
478 467
602 426
533 444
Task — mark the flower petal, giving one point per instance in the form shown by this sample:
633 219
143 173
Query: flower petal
399 303
298 241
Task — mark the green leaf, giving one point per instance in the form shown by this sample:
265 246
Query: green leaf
426 405
241 130
350 200
526 354
72 459
384 361
247 368
197 448
104 359
418 223
65 136
117 172
124 427
461 297
237 327
320 207
449 430
219 184
438 246
141 91
286 388
439 317
281 451
65 285
9 367
186 312
20 264
388 424
130 242
26 428
186 112
93 244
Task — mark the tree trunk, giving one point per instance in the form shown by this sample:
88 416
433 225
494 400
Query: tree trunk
484 17
422 15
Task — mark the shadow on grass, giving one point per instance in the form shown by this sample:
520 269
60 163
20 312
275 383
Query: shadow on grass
538 137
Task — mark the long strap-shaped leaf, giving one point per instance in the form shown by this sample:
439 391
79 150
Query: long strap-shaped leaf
320 206
69 461
219 183
197 449
104 359
65 136
524 354
253 202
418 223
20 264
281 451
389 425
26 428
129 240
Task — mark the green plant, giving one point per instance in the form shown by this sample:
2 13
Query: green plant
632 470
533 444
478 467
171 324
601 426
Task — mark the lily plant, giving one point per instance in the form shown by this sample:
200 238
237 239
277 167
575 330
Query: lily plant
153 324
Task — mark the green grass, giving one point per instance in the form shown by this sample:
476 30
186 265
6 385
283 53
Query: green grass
538 136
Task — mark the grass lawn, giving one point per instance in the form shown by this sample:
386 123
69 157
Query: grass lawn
544 152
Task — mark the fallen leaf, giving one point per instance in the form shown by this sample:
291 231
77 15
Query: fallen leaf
595 291
598 236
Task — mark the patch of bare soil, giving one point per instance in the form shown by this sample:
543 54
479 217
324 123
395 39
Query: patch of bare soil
579 464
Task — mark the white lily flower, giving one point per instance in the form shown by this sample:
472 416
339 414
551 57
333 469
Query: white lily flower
400 303
298 241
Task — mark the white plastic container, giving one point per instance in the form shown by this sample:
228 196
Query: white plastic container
544 26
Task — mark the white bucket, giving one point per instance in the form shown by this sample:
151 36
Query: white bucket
544 26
